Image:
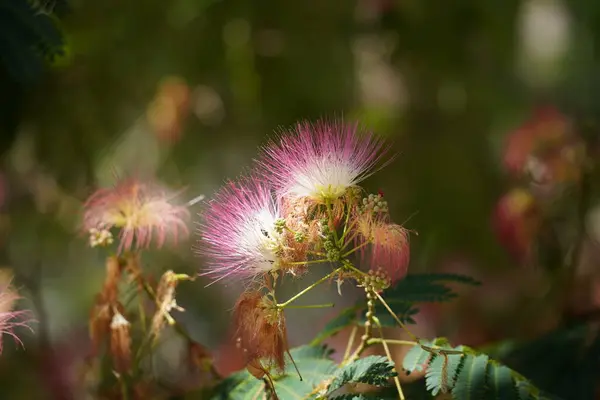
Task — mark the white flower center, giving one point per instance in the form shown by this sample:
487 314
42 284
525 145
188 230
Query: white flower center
325 178
261 239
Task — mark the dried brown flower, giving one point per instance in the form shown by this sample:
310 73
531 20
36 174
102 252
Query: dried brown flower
261 332
165 301
120 342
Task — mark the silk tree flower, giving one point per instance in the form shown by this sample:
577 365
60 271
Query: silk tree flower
9 317
140 210
239 232
383 244
260 333
321 161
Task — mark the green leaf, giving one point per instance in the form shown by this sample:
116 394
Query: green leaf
417 358
500 382
470 382
441 374
313 362
357 396
345 319
361 396
412 289
426 288
373 370
468 376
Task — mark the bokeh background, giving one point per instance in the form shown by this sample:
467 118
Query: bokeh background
186 90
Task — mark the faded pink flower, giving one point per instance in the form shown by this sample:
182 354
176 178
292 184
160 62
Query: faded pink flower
139 210
385 245
9 318
321 161
239 236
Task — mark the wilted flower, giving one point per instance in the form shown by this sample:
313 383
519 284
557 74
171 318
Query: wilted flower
9 318
239 234
120 342
139 210
261 331
165 301
321 161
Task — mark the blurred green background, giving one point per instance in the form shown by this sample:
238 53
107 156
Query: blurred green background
188 89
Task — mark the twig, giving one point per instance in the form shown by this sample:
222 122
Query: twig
403 326
300 294
370 314
392 341
389 356
350 341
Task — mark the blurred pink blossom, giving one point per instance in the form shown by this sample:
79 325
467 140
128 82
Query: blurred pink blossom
139 210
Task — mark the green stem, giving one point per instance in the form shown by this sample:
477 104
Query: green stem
323 279
388 353
350 342
392 341
330 213
124 391
345 231
347 264
328 305
308 262
393 314
355 249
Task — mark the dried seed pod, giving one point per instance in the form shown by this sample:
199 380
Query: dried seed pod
120 342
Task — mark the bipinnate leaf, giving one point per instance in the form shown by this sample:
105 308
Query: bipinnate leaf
426 288
500 382
359 396
417 357
470 382
373 370
441 374
469 375
414 288
313 362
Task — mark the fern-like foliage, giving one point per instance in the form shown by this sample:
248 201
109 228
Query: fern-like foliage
467 374
373 370
314 363
29 36
402 298
321 378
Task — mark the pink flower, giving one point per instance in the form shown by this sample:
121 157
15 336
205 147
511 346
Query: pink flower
516 221
385 245
321 161
9 318
139 210
239 234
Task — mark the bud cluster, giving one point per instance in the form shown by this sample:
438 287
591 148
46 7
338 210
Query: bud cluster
374 203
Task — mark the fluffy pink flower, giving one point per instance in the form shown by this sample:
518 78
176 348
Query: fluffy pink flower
239 237
9 318
385 245
321 161
139 210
